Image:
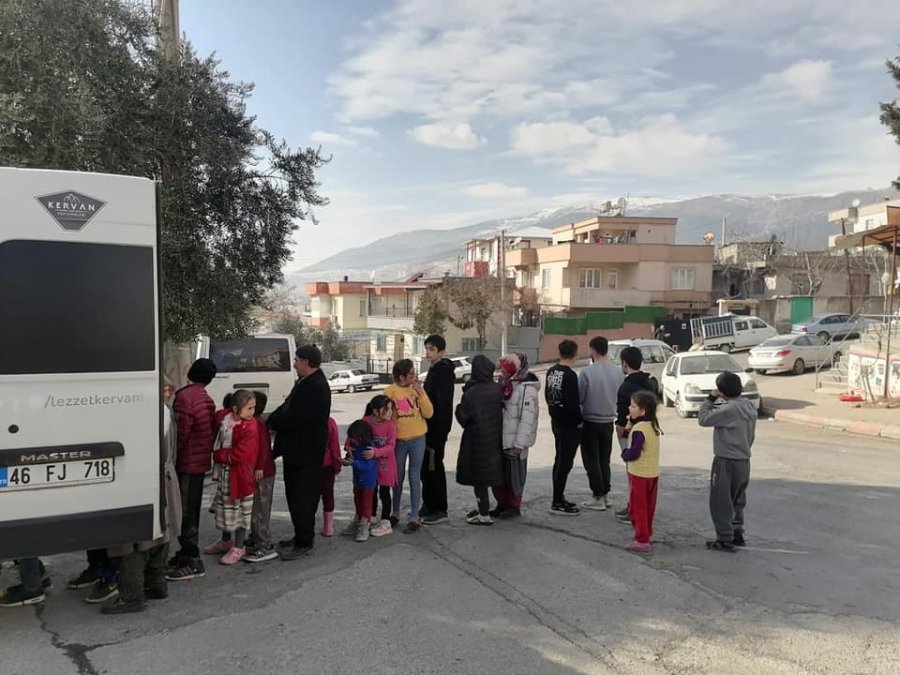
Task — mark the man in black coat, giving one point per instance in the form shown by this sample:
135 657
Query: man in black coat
439 384
301 434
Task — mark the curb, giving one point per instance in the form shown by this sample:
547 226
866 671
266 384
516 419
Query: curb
871 429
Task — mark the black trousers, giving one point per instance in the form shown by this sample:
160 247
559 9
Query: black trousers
384 494
303 489
100 564
596 449
191 485
482 496
434 478
566 439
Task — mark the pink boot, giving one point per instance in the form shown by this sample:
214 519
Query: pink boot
328 523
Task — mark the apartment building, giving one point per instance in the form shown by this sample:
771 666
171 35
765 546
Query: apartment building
337 304
610 262
483 254
870 217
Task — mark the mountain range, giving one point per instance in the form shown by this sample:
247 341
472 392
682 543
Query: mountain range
801 221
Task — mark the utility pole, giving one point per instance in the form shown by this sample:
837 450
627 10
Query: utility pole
847 265
501 259
457 264
724 223
166 14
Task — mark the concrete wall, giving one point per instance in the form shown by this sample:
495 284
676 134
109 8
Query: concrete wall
777 311
867 363
548 349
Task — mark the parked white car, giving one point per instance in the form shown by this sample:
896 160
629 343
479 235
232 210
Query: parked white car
463 368
655 353
352 380
793 354
689 378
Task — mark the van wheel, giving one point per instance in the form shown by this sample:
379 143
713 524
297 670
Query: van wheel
679 408
799 367
725 348
351 389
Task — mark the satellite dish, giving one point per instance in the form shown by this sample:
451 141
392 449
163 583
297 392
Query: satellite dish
855 203
622 202
708 238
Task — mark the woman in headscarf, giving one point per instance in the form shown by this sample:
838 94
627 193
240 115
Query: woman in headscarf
520 389
480 413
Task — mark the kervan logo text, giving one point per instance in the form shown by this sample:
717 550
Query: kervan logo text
71 210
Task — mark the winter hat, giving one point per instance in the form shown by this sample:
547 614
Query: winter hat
202 371
513 369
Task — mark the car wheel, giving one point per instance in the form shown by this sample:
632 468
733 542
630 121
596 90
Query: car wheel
679 408
351 389
666 400
725 348
823 336
761 371
466 378
799 367
835 358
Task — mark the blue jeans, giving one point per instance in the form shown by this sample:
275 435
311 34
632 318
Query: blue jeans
415 450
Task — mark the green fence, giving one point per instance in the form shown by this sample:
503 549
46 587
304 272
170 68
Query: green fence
580 325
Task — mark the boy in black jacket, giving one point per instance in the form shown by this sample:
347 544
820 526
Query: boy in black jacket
439 384
563 402
635 380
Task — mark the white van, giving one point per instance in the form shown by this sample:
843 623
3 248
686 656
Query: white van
259 363
730 332
80 382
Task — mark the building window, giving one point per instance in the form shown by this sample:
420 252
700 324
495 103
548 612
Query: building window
418 345
381 343
683 279
589 278
612 279
362 308
314 305
545 278
470 345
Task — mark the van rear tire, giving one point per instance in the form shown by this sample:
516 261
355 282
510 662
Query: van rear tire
725 349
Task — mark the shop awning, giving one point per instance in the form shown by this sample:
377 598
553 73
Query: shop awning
885 236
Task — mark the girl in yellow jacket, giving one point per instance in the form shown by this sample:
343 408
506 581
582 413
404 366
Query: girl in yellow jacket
411 408
642 459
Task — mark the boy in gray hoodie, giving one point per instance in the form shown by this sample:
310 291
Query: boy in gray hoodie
734 423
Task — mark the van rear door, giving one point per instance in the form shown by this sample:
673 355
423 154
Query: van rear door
80 408
258 363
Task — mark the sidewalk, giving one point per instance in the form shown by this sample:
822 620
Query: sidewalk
790 398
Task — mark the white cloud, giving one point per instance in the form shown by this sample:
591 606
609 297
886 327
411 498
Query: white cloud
450 136
659 146
493 191
329 138
363 131
807 79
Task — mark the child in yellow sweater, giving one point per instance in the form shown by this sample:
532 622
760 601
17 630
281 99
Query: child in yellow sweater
642 459
411 408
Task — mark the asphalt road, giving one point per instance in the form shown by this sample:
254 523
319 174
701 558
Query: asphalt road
815 591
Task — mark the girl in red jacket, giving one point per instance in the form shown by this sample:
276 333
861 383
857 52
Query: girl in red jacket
234 497
331 467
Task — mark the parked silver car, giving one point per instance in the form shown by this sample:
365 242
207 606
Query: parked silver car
829 326
655 353
792 353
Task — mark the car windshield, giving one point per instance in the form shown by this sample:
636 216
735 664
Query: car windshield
358 372
713 363
615 352
779 341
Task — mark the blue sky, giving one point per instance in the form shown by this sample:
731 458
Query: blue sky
445 114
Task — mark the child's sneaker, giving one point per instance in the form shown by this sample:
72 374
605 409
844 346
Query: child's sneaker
16 596
350 530
362 532
84 580
382 529
479 519
638 547
261 555
739 538
219 547
185 571
606 501
234 556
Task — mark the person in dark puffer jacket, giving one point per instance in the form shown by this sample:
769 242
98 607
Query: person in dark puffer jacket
195 416
480 413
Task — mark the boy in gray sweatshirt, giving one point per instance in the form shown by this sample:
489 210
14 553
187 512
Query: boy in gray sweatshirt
734 423
598 387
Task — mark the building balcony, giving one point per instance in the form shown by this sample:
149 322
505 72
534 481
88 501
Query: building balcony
390 318
477 268
523 257
604 298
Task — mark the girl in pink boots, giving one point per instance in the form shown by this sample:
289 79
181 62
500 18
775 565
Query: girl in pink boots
331 467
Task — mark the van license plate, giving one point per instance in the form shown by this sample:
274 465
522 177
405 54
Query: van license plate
57 474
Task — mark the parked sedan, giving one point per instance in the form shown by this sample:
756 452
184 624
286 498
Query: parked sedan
352 380
792 353
829 326
655 354
689 378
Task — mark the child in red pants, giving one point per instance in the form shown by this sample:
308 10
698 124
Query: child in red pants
642 460
361 456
